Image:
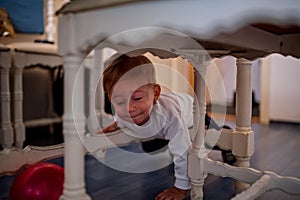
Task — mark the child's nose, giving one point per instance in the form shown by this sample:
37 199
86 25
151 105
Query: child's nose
131 106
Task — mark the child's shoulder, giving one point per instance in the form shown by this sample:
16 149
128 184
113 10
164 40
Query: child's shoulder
177 97
178 104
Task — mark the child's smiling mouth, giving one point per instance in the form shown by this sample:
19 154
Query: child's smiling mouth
138 119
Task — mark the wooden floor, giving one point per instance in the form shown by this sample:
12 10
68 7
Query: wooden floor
276 149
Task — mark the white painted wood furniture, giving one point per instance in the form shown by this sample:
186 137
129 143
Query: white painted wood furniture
23 54
84 24
29 54
13 157
26 54
19 55
279 78
6 130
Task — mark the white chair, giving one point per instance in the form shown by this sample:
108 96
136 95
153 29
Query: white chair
30 54
22 55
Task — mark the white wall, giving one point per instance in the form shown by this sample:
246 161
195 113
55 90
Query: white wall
284 88
173 74
227 69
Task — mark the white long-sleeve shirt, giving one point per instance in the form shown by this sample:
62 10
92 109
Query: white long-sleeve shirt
169 119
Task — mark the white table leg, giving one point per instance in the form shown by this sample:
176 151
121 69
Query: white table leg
264 109
6 130
195 166
243 137
18 66
73 129
95 96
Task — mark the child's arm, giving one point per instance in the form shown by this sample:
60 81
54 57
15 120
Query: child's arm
111 128
179 146
172 193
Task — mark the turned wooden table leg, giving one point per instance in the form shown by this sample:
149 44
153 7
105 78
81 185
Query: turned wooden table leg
6 130
96 97
197 153
243 137
73 130
19 128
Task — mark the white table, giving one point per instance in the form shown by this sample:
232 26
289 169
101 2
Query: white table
222 26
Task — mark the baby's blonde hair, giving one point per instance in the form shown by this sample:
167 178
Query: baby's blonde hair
123 64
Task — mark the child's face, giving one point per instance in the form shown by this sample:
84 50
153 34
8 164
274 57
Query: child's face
133 101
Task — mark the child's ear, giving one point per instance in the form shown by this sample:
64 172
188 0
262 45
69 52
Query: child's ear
157 91
109 97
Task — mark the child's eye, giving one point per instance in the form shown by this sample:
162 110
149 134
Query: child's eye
120 103
137 98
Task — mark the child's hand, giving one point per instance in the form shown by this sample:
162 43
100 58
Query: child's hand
173 193
110 128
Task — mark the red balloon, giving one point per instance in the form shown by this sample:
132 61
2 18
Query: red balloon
42 181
